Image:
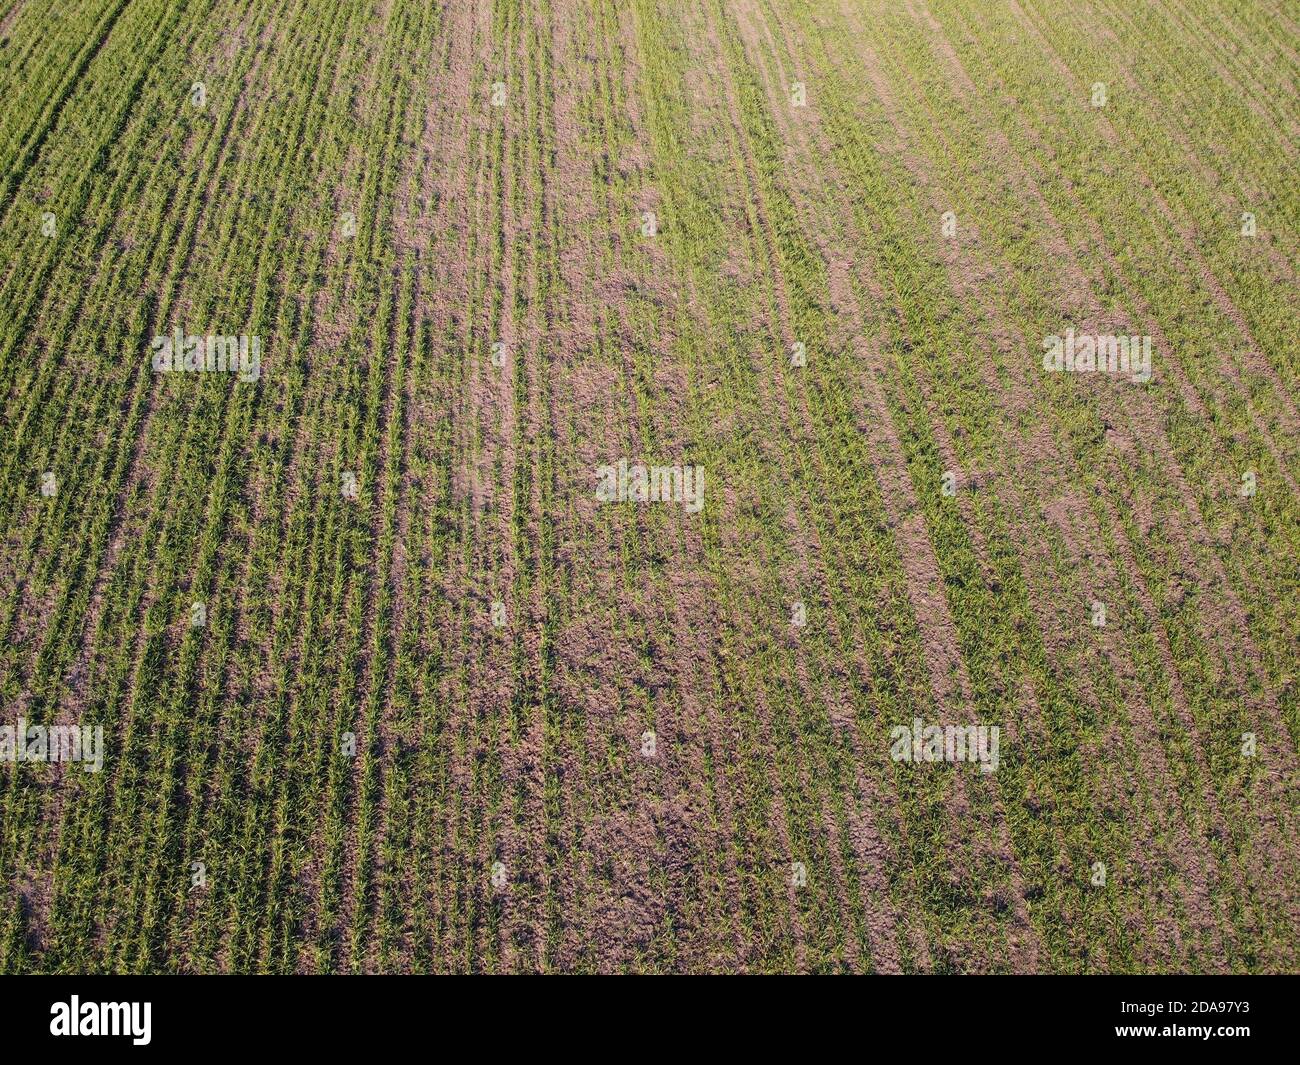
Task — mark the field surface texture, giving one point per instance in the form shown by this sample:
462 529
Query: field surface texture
649 485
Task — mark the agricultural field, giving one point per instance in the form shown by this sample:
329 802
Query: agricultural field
650 486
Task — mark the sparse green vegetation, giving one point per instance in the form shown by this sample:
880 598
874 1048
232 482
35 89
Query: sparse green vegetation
442 708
